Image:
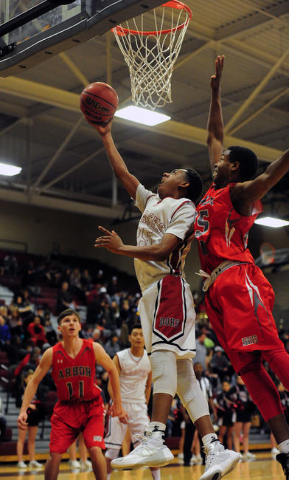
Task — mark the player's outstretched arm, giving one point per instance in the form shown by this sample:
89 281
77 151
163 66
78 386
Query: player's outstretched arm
157 252
129 181
215 125
103 359
41 370
252 190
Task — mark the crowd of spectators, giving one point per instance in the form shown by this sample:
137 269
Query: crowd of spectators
108 306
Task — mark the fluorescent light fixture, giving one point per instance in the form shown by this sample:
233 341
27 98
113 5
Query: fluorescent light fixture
9 170
271 222
142 115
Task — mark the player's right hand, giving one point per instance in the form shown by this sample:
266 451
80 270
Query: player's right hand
22 421
117 411
102 128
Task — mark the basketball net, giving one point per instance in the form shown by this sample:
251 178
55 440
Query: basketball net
150 44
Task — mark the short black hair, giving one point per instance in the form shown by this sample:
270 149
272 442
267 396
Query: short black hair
66 313
247 159
196 185
132 327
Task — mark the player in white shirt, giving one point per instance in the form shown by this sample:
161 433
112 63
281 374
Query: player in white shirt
135 375
166 308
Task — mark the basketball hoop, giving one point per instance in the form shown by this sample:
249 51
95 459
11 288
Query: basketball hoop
150 45
267 252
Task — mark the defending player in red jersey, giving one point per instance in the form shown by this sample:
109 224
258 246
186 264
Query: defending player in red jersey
80 406
239 299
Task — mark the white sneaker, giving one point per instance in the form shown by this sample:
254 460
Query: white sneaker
21 464
85 465
35 464
193 460
274 452
74 463
248 456
218 461
181 455
151 452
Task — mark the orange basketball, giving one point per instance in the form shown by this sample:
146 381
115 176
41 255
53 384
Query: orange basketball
98 102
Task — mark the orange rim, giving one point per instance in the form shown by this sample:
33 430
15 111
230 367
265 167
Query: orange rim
121 31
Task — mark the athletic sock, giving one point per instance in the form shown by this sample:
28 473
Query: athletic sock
156 474
284 446
108 476
209 438
156 427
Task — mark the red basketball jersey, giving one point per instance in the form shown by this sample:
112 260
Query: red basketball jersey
74 377
222 233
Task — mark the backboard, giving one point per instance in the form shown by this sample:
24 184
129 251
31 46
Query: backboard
33 30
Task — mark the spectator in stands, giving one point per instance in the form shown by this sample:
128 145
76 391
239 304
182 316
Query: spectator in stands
29 362
10 263
50 332
15 321
34 416
226 415
3 423
201 350
5 333
112 346
65 299
15 350
25 308
96 334
37 332
86 280
220 363
244 409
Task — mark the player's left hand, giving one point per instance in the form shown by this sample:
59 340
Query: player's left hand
111 240
117 411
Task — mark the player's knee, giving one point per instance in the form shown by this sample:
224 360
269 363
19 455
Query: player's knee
164 372
111 453
189 391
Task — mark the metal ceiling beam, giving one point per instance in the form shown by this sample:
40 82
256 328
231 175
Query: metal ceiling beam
70 101
58 152
260 110
75 70
254 94
60 204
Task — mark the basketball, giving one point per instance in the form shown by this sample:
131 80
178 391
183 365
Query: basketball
98 102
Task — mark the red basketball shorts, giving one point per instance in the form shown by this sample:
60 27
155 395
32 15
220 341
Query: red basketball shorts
69 419
239 306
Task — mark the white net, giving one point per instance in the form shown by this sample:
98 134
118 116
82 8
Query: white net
150 44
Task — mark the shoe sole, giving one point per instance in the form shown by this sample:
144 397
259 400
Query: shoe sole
145 463
218 475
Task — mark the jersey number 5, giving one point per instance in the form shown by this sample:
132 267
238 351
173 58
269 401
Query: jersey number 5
201 222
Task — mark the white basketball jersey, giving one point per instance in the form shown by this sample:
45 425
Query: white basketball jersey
160 216
133 376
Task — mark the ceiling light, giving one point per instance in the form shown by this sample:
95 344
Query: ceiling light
9 170
272 222
142 115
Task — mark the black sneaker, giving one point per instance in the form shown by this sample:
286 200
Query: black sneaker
283 459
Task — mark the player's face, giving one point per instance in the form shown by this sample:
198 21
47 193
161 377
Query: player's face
170 182
221 171
136 338
198 370
69 326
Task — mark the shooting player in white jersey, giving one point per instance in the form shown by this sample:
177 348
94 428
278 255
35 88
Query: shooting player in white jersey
135 375
166 308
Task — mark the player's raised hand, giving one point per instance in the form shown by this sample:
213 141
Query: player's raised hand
22 421
216 79
111 240
102 128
